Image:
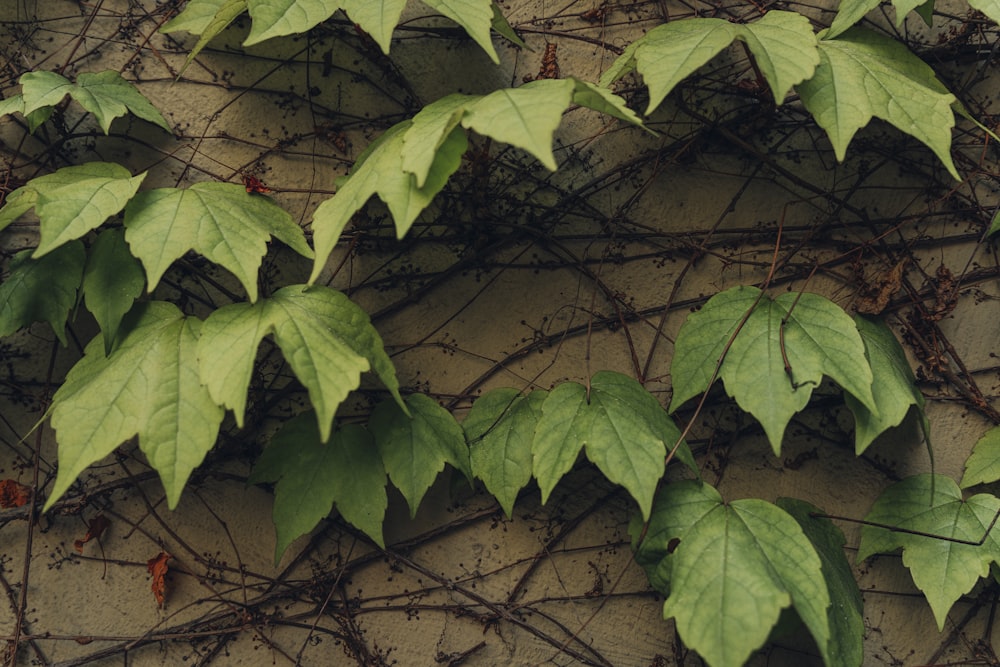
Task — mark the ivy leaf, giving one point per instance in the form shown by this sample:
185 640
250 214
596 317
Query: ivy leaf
994 224
276 18
218 220
989 7
41 290
376 17
415 447
428 131
847 626
983 466
15 104
106 94
862 75
819 339
328 341
525 117
147 387
894 387
624 429
852 11
312 475
475 16
932 504
72 201
207 18
503 28
735 567
783 44
500 428
603 100
379 171
112 281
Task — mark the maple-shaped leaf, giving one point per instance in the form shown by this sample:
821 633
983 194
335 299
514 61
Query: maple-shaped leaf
989 7
994 225
411 161
72 201
932 505
276 18
623 428
158 568
218 220
41 290
862 75
500 429
379 171
894 387
313 475
415 447
378 18
847 626
732 568
983 465
504 29
781 352
106 94
782 43
147 387
326 338
112 281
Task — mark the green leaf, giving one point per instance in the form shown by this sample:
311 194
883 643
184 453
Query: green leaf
381 173
863 75
926 12
525 117
72 201
989 7
783 44
819 339
429 129
41 290
500 428
735 567
603 100
43 89
475 16
994 224
218 220
932 504
983 466
112 281
624 429
328 341
376 17
147 387
15 104
847 626
276 18
785 49
108 96
312 475
415 447
502 27
894 387
201 22
848 13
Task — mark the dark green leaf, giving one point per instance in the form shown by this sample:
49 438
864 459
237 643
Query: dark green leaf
500 428
312 475
943 569
41 290
112 281
416 447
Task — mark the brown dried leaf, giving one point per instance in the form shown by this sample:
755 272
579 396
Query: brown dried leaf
95 528
13 494
945 294
876 298
157 567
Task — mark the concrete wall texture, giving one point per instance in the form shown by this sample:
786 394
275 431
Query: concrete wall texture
517 276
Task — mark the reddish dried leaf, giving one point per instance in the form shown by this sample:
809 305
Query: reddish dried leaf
95 528
254 185
13 494
157 567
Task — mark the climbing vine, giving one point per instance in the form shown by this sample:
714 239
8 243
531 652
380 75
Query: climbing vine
167 372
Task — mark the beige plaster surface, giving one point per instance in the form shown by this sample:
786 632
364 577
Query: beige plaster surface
525 278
